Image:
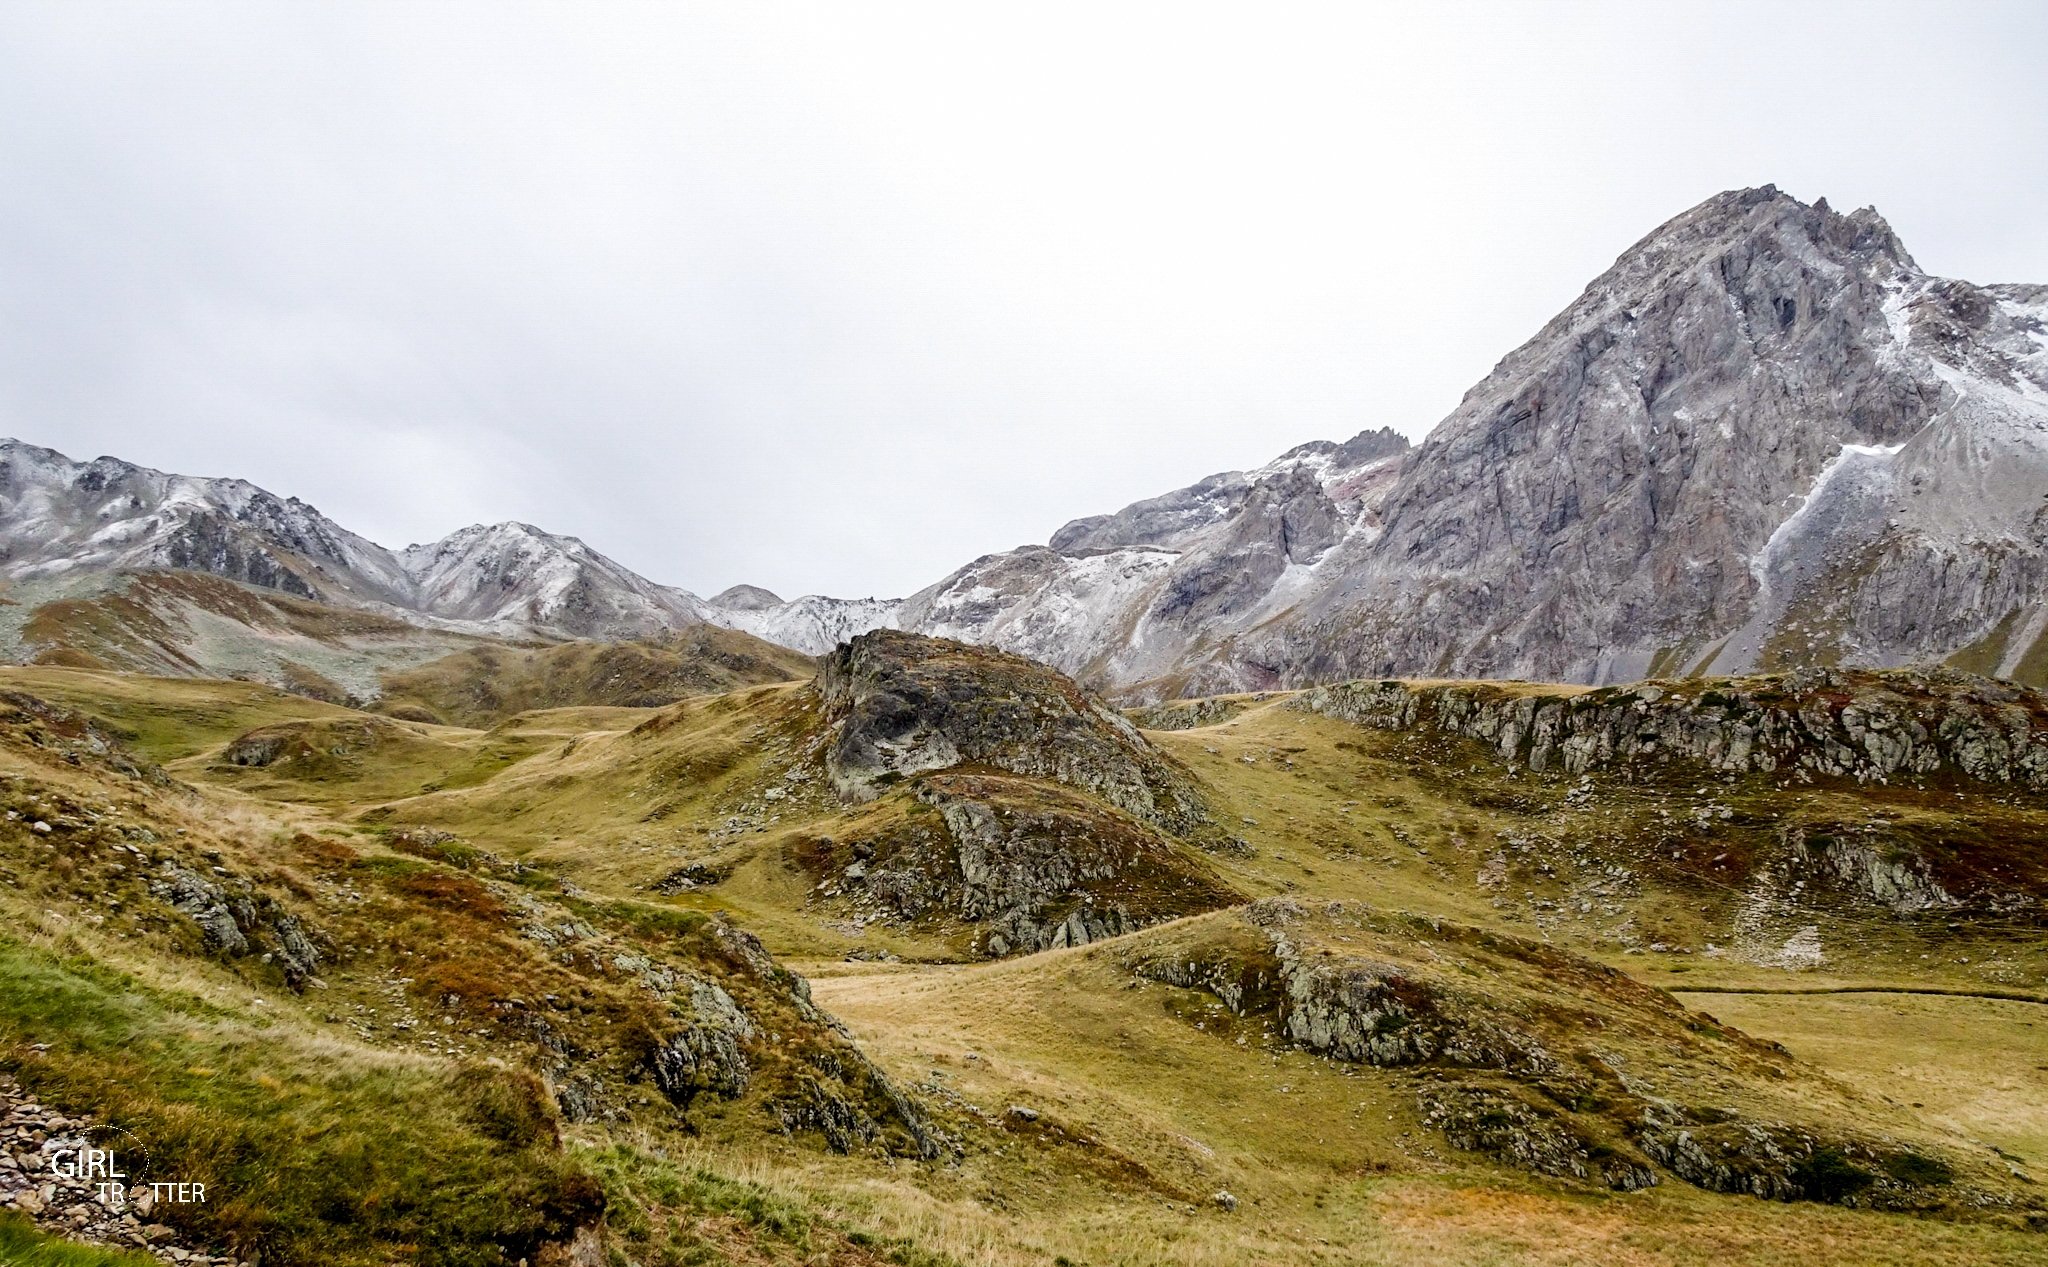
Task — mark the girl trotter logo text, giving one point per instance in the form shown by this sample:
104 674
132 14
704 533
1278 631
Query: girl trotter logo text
115 1164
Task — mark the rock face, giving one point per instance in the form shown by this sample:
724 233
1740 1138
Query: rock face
1865 725
1545 1060
1030 866
1146 592
1508 1127
1765 438
707 1052
1019 807
1932 734
899 705
239 920
1368 1010
1189 714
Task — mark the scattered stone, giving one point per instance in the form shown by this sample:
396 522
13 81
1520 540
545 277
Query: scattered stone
73 1206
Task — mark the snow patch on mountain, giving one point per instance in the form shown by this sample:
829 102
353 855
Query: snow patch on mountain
513 575
812 624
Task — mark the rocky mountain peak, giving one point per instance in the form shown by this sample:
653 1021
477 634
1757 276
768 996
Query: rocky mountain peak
1620 485
747 598
1762 438
60 518
514 574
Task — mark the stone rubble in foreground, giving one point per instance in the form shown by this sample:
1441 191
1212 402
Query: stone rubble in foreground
30 1133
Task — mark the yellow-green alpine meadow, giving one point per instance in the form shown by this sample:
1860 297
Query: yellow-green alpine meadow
923 954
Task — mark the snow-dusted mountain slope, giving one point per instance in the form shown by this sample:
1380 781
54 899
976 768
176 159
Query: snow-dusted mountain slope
59 517
70 522
1764 438
812 624
513 576
1072 603
1129 597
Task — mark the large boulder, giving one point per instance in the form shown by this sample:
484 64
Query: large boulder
900 704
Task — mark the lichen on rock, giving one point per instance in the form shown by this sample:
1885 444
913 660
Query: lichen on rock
900 704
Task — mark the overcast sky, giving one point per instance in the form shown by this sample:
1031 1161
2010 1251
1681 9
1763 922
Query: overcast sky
833 298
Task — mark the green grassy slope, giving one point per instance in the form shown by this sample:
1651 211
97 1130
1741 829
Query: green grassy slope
439 861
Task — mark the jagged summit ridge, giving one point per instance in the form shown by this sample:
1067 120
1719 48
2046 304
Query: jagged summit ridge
1763 438
62 519
59 517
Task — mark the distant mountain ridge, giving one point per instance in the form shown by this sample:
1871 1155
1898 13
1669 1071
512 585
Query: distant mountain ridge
60 518
1764 438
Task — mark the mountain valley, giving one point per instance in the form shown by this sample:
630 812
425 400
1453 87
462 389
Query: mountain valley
1388 955
1763 439
1612 829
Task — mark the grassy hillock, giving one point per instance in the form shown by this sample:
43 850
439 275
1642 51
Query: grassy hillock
485 685
182 623
367 1043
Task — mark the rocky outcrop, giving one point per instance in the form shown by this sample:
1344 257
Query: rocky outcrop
1785 1163
898 705
1898 877
235 920
1934 734
1026 866
706 1053
1869 726
1527 1135
1187 714
819 1080
255 749
1540 1058
727 1022
1037 816
851 1104
1368 1010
